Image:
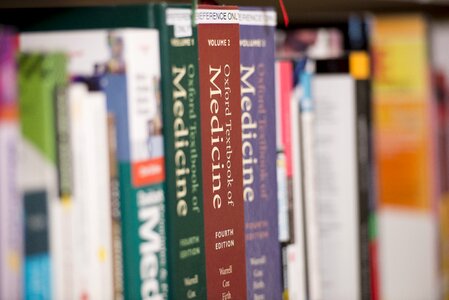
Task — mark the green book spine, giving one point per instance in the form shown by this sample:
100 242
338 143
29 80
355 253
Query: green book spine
184 203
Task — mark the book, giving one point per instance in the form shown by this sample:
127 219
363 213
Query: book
41 77
116 230
182 133
11 227
336 195
440 73
404 145
129 58
344 173
302 94
284 85
221 141
92 270
299 281
263 259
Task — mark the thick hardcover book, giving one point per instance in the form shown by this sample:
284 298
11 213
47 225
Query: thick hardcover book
221 140
405 158
263 259
11 229
182 130
41 77
130 57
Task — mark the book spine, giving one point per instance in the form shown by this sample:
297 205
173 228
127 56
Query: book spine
101 208
286 89
283 218
359 69
37 262
77 94
405 195
116 231
218 44
308 180
181 107
258 107
11 229
298 280
62 225
336 185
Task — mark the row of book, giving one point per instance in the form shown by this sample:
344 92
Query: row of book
142 138
148 157
366 115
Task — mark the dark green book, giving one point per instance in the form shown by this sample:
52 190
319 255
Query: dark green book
180 93
181 126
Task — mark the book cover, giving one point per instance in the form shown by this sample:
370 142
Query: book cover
11 216
404 153
130 60
263 259
221 140
41 76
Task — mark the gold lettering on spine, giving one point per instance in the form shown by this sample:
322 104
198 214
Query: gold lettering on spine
181 140
216 128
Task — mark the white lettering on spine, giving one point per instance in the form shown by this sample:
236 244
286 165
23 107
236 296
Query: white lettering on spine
149 217
249 134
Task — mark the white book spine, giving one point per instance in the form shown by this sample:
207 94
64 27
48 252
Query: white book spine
336 185
310 202
297 271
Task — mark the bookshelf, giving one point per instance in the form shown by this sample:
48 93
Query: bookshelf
299 11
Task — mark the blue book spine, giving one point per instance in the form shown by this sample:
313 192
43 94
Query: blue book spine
263 258
37 263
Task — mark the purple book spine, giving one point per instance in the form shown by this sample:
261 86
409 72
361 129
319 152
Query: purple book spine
10 203
257 83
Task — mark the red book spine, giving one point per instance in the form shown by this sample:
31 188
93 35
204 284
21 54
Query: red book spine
219 65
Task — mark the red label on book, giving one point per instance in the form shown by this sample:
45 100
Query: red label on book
148 172
218 43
